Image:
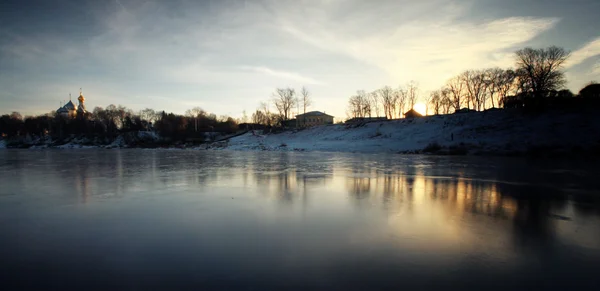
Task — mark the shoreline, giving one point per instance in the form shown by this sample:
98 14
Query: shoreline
488 133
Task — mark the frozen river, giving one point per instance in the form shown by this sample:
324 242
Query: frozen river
169 219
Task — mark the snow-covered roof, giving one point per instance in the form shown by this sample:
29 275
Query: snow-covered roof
69 106
313 113
62 110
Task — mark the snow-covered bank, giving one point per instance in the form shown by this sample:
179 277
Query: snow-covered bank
492 132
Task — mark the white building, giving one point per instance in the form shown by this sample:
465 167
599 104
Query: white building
313 118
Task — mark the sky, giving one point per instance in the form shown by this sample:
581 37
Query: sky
227 56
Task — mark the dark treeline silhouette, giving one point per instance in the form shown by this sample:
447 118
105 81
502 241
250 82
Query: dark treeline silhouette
535 83
107 123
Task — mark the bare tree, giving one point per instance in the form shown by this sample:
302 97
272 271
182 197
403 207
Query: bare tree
359 105
194 114
505 84
475 85
435 101
493 79
305 99
542 69
365 103
374 100
455 92
412 92
149 115
446 101
258 117
387 99
354 107
284 100
267 116
400 101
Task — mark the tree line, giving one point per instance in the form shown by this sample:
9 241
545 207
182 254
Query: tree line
387 101
536 82
286 101
110 121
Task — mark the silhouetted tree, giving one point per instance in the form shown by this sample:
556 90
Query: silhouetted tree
305 99
505 84
400 99
541 69
374 101
284 100
435 101
412 92
446 102
592 90
475 88
455 88
387 96
359 105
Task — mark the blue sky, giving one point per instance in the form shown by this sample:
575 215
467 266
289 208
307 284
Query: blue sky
227 56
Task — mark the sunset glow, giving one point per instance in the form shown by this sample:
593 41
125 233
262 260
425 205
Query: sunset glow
334 48
421 108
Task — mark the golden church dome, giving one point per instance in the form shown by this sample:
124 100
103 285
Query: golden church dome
81 98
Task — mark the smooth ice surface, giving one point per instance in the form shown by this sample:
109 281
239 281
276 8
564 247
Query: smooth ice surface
225 220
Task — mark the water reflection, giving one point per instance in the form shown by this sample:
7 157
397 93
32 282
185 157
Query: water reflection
292 176
302 211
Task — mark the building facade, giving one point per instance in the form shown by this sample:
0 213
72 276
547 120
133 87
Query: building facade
313 118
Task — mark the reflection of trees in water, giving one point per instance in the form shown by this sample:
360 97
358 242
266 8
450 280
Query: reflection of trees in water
361 182
530 208
82 182
360 187
534 221
286 186
286 177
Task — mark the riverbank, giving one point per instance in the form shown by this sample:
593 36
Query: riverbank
497 132
494 132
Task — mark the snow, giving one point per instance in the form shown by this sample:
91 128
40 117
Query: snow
493 131
117 143
148 135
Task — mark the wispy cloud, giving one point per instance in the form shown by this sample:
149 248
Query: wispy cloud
596 69
283 75
428 51
590 49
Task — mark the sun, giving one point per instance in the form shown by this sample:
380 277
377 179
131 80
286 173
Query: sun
421 108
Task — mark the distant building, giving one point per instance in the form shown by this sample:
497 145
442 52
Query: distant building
70 110
313 118
412 114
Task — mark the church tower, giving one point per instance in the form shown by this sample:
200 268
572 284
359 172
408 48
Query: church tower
81 106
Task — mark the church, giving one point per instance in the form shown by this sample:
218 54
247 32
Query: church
70 110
